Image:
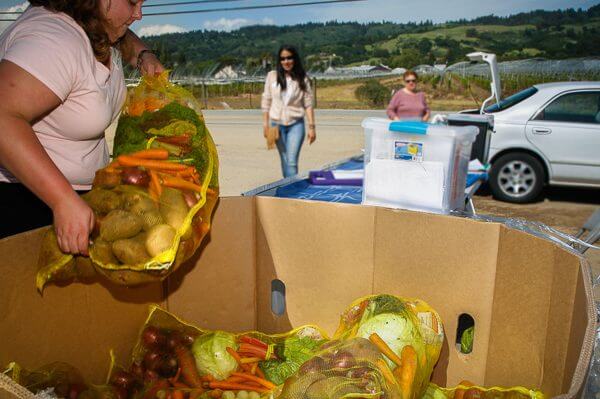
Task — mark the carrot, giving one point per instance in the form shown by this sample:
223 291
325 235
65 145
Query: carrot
234 379
460 393
385 370
259 373
177 384
246 360
215 394
183 139
406 372
126 160
267 384
237 358
385 349
253 368
151 153
155 183
177 182
153 194
234 386
207 378
253 341
159 385
177 394
188 367
175 378
195 393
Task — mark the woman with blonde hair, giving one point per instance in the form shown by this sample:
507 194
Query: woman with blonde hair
408 103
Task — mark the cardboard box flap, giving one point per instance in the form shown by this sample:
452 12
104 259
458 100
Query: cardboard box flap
77 324
309 246
411 261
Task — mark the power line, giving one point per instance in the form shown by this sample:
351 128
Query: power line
215 9
187 3
250 7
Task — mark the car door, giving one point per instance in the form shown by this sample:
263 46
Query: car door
567 132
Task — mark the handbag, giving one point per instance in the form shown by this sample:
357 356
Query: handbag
272 136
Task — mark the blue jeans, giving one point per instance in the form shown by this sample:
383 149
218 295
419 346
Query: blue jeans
290 141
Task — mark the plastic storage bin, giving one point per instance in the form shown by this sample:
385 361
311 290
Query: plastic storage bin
415 165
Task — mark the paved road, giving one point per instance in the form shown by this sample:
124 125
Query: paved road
245 161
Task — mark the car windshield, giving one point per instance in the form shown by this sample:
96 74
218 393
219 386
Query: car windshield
512 100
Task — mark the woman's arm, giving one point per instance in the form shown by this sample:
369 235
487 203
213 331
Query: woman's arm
25 100
308 101
131 48
265 104
312 132
427 110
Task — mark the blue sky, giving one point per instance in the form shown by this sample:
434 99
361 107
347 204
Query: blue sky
369 10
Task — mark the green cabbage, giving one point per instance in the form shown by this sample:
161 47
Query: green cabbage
394 323
291 353
210 352
466 341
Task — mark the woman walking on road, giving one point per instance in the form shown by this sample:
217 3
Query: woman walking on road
408 103
286 100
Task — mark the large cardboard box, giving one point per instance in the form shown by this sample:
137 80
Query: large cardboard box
531 300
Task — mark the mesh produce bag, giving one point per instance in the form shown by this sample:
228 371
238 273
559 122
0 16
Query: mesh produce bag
153 203
172 355
467 390
407 331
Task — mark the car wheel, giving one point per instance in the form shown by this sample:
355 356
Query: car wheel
517 177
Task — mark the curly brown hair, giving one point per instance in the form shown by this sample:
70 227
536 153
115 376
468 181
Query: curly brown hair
87 14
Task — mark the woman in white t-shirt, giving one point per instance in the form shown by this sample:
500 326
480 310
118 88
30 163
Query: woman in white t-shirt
61 85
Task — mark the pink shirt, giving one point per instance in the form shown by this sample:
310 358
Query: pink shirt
407 106
55 50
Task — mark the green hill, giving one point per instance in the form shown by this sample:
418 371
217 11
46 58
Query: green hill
550 34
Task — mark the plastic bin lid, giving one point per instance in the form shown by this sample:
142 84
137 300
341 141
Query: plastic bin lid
421 128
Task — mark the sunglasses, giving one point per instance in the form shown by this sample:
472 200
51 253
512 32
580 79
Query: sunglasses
286 58
411 80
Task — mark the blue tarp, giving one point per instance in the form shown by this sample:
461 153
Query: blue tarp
346 194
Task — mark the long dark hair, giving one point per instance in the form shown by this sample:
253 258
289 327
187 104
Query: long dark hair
297 73
87 14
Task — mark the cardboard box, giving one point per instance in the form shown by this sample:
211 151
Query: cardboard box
531 300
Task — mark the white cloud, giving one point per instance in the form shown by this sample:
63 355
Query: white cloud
18 7
229 24
155 30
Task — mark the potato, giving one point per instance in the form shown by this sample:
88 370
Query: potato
131 251
173 207
159 239
120 224
138 202
102 201
102 250
151 219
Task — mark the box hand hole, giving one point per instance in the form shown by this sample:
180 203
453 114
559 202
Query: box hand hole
465 333
277 297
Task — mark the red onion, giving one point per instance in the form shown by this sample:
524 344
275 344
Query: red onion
153 338
135 176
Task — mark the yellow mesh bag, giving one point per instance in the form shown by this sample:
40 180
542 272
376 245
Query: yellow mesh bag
469 391
407 331
153 204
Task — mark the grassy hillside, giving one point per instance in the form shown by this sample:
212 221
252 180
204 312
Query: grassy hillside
551 34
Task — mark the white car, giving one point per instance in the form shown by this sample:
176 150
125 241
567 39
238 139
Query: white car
546 134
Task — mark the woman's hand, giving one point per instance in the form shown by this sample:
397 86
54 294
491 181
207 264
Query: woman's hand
149 64
73 222
265 131
311 136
